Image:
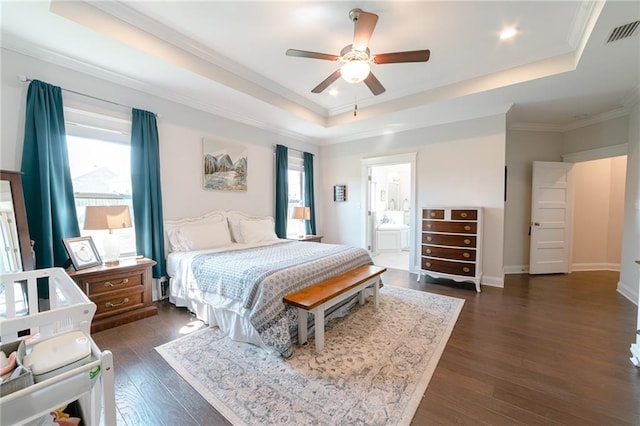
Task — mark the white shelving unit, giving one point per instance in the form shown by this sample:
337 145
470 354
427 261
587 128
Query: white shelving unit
69 309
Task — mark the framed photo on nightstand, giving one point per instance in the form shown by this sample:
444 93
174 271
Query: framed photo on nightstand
82 252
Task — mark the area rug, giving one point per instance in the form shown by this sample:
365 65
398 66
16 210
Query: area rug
374 369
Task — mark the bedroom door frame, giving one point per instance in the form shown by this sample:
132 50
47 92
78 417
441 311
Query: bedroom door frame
366 216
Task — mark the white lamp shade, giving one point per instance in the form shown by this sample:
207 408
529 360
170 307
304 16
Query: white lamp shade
355 71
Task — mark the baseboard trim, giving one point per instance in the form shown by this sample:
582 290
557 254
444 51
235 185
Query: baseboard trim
576 267
492 281
516 269
629 292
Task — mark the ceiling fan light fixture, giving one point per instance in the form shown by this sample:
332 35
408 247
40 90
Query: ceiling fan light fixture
355 71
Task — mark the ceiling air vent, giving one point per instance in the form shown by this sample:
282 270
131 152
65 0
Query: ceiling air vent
623 31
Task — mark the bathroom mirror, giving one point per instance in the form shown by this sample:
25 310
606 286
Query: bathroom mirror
15 252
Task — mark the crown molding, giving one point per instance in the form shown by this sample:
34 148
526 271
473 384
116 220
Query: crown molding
24 48
132 17
561 128
596 154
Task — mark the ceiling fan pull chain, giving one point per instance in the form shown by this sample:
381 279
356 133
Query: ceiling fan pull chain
355 102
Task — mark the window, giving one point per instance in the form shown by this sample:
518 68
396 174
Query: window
100 165
296 191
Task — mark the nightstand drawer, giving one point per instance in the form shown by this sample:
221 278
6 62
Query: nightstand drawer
122 293
121 281
116 302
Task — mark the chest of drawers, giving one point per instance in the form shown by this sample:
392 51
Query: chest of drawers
451 244
121 293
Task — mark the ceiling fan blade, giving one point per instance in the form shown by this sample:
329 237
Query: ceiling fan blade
374 84
326 82
396 57
312 55
365 23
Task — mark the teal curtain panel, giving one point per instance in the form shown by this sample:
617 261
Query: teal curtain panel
282 190
309 198
46 179
145 187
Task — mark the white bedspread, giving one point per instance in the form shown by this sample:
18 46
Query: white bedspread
243 294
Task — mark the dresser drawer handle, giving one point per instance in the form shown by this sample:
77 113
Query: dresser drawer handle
118 284
428 251
433 214
466 269
428 264
463 214
429 238
465 254
467 228
428 226
467 241
114 305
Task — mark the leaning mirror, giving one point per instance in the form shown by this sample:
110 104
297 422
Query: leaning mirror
15 248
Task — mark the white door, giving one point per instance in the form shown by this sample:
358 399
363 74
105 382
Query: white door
551 216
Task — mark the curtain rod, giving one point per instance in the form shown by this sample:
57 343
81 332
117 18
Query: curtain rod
297 150
26 79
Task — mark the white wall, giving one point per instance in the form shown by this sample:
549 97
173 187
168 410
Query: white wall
458 164
629 275
616 209
523 147
598 214
180 129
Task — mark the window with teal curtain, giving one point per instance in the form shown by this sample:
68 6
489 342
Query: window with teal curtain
309 199
145 189
46 180
282 189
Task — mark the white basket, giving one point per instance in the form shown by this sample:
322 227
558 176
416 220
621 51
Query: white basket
67 308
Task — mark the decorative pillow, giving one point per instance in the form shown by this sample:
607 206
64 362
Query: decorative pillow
205 235
255 231
176 240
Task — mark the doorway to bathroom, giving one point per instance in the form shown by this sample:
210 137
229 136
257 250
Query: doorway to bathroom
390 206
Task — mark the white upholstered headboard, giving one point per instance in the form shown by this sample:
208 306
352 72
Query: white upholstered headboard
231 217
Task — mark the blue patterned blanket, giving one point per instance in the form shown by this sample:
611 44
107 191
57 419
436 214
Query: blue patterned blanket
260 277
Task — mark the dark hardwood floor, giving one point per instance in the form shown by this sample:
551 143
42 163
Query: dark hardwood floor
546 350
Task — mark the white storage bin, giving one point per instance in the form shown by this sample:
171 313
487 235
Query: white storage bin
69 310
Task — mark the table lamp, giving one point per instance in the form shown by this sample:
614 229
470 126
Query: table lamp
303 214
110 218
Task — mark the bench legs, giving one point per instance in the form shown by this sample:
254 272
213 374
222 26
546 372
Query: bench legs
318 314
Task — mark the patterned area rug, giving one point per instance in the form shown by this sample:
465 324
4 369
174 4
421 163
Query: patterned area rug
374 369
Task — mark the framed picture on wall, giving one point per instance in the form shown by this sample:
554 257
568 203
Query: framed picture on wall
340 193
224 165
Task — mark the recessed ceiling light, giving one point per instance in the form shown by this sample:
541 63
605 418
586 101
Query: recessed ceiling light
334 92
508 33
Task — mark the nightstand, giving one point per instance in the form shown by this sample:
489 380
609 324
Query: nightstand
122 293
314 238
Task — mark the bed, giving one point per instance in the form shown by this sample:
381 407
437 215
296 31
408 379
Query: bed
231 270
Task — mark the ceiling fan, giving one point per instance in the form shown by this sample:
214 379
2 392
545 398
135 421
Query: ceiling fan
356 57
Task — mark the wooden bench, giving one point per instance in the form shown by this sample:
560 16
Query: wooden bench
323 295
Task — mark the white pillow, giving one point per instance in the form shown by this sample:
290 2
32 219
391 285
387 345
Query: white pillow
176 240
205 235
256 231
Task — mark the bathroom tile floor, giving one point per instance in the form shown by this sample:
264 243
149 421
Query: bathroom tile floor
397 260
